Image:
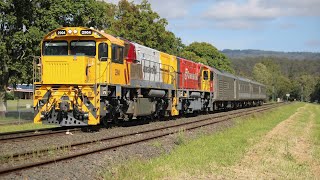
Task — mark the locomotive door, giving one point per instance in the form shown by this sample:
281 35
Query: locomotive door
205 82
117 68
103 56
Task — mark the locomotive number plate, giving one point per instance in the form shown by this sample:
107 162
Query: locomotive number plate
85 32
61 32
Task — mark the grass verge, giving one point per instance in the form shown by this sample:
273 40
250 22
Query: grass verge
316 133
22 127
21 104
223 148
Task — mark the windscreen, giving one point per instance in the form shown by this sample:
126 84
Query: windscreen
87 48
55 48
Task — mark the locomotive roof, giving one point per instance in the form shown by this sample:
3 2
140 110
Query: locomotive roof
98 34
224 73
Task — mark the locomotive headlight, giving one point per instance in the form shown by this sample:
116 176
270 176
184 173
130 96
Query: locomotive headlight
86 116
75 31
38 93
69 31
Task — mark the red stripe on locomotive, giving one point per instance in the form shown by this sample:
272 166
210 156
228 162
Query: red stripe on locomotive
131 56
189 73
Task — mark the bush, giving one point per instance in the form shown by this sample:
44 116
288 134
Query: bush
9 96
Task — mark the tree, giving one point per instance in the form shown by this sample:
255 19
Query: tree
192 56
23 23
209 55
315 96
307 84
139 23
268 73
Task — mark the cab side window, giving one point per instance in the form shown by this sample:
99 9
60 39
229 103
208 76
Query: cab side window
117 54
205 75
103 51
211 76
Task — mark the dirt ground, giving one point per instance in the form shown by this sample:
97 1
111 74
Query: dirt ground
284 153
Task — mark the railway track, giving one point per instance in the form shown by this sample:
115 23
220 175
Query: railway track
34 133
112 142
22 135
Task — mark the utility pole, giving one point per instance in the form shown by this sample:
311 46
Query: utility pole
273 96
301 93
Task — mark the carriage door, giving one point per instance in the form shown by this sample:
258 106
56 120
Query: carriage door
235 88
211 81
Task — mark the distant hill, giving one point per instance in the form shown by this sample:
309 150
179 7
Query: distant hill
240 54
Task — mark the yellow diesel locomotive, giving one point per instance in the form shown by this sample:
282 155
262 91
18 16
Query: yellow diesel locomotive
83 78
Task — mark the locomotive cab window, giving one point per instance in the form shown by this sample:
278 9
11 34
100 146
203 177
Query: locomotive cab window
211 76
117 54
55 48
83 48
205 75
103 51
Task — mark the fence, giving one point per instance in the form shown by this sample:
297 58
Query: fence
20 109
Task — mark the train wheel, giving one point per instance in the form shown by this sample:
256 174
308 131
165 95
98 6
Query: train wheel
105 122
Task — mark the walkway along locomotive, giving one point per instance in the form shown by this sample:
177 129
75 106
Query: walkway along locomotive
87 77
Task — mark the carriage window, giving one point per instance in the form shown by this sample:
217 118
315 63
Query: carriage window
83 48
117 54
205 75
55 48
103 51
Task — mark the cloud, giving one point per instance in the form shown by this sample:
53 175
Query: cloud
235 24
313 43
262 9
170 9
287 26
252 13
230 10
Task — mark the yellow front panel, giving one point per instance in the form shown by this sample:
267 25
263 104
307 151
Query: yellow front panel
64 69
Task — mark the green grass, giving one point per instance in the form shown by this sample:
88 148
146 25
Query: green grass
224 148
21 127
17 109
14 105
316 133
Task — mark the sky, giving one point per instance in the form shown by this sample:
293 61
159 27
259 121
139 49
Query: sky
278 25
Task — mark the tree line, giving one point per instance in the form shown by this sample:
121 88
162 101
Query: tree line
299 78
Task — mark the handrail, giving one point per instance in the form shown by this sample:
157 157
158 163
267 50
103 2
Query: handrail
36 73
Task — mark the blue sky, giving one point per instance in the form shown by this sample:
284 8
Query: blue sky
279 25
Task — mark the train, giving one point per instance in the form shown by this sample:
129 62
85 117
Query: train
86 77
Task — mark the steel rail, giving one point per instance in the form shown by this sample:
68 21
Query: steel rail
34 133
